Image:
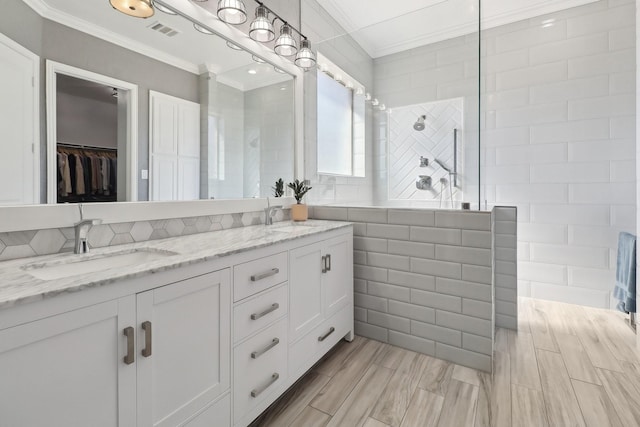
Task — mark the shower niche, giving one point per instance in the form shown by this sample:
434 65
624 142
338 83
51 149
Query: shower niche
425 145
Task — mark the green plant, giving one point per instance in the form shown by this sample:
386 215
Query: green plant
299 189
278 190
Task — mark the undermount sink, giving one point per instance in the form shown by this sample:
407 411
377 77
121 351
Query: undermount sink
76 265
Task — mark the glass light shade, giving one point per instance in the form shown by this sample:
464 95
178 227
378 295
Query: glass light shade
285 43
232 11
305 57
261 29
136 8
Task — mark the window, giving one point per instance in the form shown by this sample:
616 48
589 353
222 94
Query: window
341 127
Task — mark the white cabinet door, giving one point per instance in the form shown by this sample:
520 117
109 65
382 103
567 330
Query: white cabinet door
188 178
338 280
68 370
174 148
19 118
164 176
184 350
305 290
189 129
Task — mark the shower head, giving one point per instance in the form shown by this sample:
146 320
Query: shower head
442 165
419 124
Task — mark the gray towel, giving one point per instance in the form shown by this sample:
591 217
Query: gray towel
625 289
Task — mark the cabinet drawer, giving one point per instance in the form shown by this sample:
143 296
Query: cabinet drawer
257 275
260 311
260 368
304 353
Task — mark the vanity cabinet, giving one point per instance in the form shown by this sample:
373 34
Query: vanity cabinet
151 359
321 295
210 344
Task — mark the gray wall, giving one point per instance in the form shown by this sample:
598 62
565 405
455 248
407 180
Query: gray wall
86 121
59 43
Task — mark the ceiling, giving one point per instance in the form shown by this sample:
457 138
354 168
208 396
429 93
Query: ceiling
382 27
188 49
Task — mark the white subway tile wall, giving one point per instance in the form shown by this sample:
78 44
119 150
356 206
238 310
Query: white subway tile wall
564 108
423 278
506 269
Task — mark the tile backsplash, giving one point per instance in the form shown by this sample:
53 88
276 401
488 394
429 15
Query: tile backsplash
22 244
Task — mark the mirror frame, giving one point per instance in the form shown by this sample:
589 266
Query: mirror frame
42 216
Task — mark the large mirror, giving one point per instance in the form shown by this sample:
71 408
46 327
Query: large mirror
99 106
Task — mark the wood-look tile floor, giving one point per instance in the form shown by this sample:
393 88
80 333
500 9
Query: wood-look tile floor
566 366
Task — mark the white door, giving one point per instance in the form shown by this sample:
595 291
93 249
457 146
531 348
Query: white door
184 350
338 280
69 369
305 307
174 128
19 124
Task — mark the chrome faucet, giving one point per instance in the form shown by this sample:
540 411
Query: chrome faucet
269 212
82 234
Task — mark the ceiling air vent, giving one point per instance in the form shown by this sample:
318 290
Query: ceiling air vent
164 29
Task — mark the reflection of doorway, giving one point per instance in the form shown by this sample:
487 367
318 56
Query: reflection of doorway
89 158
19 125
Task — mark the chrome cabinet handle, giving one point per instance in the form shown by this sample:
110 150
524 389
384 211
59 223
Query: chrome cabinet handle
324 264
259 353
130 357
274 307
324 337
256 392
329 261
146 327
264 275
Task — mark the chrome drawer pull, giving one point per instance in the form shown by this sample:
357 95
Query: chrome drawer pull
256 392
324 264
274 307
259 353
324 337
264 275
329 261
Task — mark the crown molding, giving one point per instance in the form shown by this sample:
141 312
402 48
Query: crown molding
47 12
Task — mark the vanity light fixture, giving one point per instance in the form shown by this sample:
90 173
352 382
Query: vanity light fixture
367 97
261 29
359 91
233 46
202 29
232 12
135 8
382 107
285 43
375 102
163 9
305 57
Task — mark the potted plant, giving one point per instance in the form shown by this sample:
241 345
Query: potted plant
299 211
278 190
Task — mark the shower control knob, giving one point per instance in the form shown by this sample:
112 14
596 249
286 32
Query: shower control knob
423 182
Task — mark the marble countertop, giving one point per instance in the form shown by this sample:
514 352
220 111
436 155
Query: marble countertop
18 286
